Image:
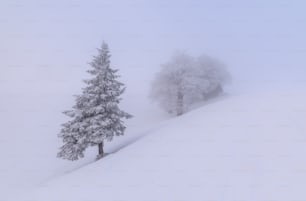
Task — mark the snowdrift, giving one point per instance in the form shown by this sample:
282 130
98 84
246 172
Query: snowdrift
246 147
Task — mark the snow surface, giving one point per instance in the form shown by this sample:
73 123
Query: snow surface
248 146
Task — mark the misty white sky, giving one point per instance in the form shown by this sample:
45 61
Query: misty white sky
258 40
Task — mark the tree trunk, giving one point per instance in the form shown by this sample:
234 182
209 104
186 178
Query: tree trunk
101 151
180 102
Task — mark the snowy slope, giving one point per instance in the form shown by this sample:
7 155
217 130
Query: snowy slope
31 106
245 147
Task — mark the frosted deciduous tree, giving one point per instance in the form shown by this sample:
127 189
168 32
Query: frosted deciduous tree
186 80
96 116
172 83
214 73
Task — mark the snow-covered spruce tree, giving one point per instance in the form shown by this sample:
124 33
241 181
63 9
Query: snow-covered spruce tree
96 116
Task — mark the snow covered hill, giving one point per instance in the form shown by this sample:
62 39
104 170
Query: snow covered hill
244 147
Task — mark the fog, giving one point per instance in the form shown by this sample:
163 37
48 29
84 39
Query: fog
46 46
258 40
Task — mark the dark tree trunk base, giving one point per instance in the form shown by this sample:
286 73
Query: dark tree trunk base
101 151
104 156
